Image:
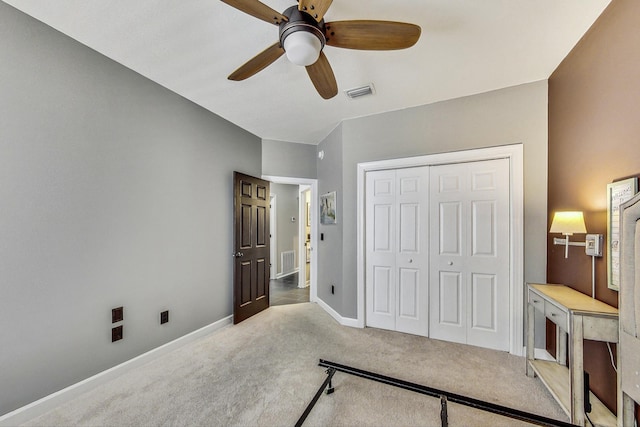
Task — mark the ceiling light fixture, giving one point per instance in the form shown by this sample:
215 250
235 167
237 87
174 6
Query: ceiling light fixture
301 37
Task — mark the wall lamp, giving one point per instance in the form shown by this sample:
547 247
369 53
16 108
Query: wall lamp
568 223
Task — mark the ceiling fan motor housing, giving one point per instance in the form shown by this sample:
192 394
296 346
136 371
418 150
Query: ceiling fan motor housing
308 36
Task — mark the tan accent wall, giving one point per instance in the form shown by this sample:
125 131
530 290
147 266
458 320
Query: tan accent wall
594 139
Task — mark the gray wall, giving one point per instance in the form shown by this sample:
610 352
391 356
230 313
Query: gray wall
287 231
330 249
288 159
512 115
113 191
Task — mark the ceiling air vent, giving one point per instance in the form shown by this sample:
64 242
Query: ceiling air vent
360 91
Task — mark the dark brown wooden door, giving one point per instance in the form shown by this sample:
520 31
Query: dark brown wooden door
251 250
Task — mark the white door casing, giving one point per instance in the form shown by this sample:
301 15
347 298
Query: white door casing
273 237
397 261
515 154
313 184
469 253
303 279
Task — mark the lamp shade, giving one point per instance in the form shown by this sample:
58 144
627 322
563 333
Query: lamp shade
568 223
302 48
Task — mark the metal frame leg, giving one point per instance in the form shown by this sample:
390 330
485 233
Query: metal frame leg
444 417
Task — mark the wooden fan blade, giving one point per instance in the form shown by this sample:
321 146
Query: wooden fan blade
315 8
372 35
322 77
258 62
258 10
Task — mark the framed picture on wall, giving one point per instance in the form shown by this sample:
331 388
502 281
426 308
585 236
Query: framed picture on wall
618 192
328 208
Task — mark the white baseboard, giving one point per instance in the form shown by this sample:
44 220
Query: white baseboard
281 275
345 321
47 403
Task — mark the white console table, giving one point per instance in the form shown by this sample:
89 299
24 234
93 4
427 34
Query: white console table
582 317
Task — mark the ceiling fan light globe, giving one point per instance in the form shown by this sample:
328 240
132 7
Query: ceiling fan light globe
302 48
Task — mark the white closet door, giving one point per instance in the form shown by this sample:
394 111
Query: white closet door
381 249
469 274
412 256
397 244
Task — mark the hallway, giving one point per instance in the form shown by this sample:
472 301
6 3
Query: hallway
286 291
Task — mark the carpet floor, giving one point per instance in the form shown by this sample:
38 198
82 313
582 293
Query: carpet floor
263 372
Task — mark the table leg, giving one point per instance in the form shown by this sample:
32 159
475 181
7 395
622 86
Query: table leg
561 346
576 370
531 323
628 411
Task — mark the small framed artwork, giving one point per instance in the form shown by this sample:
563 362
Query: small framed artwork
617 193
328 208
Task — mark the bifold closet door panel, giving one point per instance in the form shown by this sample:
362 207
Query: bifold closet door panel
396 250
381 249
469 253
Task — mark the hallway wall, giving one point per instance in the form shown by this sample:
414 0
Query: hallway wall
286 229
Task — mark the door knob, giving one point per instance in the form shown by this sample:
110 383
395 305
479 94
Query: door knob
450 263
410 261
237 254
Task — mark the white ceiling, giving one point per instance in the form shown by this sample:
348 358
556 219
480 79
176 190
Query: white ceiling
191 46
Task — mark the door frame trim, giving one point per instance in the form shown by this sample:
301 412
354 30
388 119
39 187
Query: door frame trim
302 231
313 183
514 153
273 230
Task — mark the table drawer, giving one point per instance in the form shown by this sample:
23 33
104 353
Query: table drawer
556 315
536 300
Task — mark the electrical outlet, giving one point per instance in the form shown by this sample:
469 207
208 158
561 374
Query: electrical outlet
116 333
164 317
117 314
593 244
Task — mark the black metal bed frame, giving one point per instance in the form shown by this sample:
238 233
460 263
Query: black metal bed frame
444 396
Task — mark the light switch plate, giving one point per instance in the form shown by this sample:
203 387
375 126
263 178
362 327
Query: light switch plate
593 246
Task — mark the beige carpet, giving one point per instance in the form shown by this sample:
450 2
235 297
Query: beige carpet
263 372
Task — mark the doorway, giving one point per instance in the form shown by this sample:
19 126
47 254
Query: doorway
306 220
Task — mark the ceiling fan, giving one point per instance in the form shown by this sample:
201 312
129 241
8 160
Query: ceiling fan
303 34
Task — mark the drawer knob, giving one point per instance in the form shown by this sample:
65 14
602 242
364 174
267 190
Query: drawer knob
535 301
553 315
